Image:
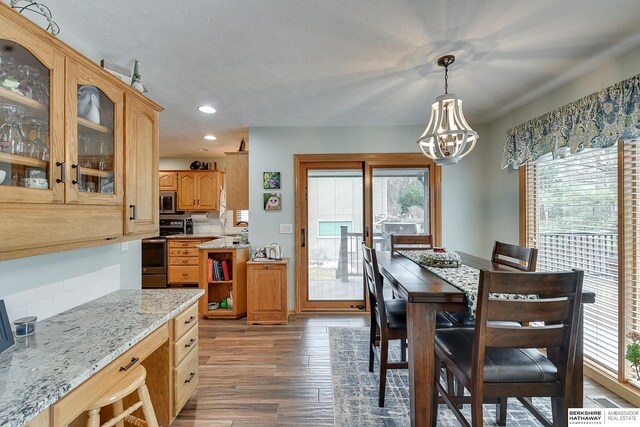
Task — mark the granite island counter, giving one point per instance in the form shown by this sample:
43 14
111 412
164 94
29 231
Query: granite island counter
71 353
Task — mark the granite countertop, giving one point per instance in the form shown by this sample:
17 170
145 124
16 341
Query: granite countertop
70 347
223 243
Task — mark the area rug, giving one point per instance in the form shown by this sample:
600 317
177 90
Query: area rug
355 389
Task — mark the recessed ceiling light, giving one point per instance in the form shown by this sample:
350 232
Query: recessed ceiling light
210 137
203 149
208 109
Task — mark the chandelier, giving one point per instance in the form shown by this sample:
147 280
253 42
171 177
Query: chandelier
448 136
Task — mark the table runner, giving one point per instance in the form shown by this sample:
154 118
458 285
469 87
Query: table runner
464 278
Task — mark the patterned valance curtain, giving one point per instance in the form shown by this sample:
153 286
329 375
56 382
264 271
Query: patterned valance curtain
595 121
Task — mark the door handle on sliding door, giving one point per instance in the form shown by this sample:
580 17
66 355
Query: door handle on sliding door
304 237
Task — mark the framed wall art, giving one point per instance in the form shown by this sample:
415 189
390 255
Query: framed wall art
272 201
271 180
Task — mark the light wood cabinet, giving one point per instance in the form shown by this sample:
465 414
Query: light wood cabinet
185 361
218 290
183 261
237 180
168 181
199 190
267 301
94 148
77 156
142 157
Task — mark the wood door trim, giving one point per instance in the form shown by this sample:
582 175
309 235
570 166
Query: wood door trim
369 161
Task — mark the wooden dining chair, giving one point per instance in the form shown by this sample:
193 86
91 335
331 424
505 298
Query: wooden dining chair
495 362
410 242
388 322
514 256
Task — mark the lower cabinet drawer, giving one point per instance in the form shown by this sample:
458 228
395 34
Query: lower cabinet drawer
180 274
186 379
191 243
186 344
184 252
184 321
183 260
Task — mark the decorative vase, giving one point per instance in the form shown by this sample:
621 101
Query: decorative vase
89 103
135 80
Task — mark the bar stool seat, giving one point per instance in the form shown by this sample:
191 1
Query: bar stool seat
133 381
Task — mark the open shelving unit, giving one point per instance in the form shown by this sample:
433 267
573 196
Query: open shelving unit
218 290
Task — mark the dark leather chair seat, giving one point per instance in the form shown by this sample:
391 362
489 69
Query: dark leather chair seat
397 315
502 365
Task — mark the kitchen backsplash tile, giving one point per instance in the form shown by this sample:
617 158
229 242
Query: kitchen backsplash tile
54 298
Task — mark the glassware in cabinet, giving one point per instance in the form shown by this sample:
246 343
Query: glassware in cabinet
25 145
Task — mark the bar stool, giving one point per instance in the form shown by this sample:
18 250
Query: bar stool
135 380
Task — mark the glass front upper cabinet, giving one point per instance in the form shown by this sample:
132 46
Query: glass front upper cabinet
96 157
31 167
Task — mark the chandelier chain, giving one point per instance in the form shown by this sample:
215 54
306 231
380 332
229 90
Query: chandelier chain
446 79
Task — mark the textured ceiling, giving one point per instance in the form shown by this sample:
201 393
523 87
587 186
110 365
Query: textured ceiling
337 62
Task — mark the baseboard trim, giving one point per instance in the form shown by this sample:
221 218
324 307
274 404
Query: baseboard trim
610 382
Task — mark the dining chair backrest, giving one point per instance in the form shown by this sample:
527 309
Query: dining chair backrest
374 279
514 255
556 311
411 242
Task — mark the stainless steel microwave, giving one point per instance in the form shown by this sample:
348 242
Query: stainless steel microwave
167 202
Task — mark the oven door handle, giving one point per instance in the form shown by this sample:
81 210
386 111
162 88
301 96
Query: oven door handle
154 241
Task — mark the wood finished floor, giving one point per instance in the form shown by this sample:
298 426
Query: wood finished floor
262 376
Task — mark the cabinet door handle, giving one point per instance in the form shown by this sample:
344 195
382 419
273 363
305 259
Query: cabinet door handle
191 377
192 342
133 212
304 238
77 168
194 202
134 360
62 172
191 319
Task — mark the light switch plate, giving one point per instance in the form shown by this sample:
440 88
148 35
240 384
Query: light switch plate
124 246
286 228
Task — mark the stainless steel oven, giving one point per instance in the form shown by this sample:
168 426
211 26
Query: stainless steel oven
167 202
154 263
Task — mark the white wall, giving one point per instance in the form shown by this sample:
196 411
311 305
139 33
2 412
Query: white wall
27 281
501 186
273 148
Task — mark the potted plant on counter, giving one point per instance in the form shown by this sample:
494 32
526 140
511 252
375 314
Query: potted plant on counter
633 356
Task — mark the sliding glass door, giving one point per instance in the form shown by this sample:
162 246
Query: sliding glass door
334 232
342 201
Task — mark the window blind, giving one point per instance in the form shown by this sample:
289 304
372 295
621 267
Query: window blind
631 236
572 218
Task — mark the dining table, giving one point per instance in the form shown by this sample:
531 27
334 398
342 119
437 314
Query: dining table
426 294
